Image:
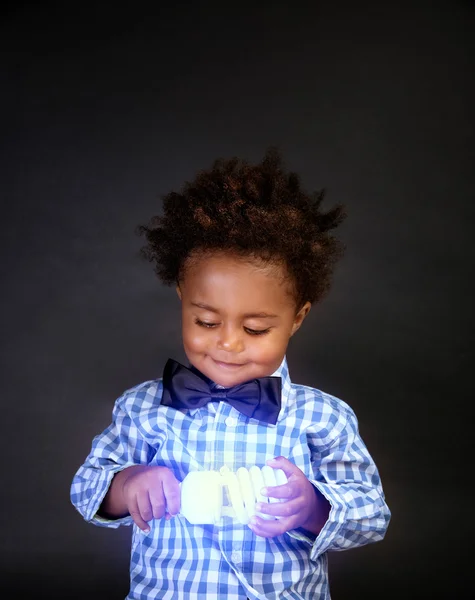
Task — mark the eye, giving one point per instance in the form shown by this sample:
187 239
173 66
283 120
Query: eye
203 324
257 332
249 331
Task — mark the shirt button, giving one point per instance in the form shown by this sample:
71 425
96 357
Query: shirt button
230 421
235 557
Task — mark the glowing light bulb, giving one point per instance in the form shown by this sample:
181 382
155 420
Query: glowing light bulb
202 493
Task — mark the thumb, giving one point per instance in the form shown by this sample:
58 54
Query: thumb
280 462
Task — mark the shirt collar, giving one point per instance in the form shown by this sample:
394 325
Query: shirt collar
283 372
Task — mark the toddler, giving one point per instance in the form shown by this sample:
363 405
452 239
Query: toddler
249 253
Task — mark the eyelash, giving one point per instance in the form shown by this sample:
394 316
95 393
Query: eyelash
249 331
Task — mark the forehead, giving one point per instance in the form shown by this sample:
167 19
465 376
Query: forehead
224 281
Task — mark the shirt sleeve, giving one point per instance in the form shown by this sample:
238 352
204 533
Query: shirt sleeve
116 448
346 475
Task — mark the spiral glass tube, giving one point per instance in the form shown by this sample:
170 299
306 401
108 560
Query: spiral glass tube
202 493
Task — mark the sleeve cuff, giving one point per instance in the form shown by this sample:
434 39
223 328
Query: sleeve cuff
323 541
100 487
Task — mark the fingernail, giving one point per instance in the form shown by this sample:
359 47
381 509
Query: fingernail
259 506
265 492
146 530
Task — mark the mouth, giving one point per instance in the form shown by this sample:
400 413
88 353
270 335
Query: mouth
229 366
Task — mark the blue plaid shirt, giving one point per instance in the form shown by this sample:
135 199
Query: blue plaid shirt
178 560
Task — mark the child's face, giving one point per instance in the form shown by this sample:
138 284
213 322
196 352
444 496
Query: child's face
235 289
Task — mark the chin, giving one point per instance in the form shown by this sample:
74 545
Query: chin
226 374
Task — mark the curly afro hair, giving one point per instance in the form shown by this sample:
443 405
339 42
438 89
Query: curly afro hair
257 213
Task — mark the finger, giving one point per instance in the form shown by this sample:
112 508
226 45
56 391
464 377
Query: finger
287 491
279 509
269 529
144 506
136 516
157 501
171 492
280 462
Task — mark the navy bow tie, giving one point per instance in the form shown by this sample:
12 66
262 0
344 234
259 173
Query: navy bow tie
189 388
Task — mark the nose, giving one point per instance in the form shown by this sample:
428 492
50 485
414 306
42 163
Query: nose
230 339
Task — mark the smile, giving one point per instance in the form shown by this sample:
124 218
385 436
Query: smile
229 366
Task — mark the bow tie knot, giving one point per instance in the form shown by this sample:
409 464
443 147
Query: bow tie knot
258 398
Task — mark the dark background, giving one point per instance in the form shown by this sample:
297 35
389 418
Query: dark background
105 107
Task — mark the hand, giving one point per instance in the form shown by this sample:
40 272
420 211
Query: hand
150 493
302 506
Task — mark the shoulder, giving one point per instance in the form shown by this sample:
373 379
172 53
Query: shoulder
140 397
320 401
327 415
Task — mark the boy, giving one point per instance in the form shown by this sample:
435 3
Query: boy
249 253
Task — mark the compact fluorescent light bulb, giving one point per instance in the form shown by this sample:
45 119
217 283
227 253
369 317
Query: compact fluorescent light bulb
202 493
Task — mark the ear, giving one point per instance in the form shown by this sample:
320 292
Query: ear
178 291
299 318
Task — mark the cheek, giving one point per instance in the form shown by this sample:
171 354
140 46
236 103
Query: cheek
265 350
194 339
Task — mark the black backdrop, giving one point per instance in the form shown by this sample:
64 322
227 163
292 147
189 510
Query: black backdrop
104 108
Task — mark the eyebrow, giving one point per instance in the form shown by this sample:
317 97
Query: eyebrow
261 315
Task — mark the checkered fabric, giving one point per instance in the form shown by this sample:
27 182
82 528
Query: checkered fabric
178 560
